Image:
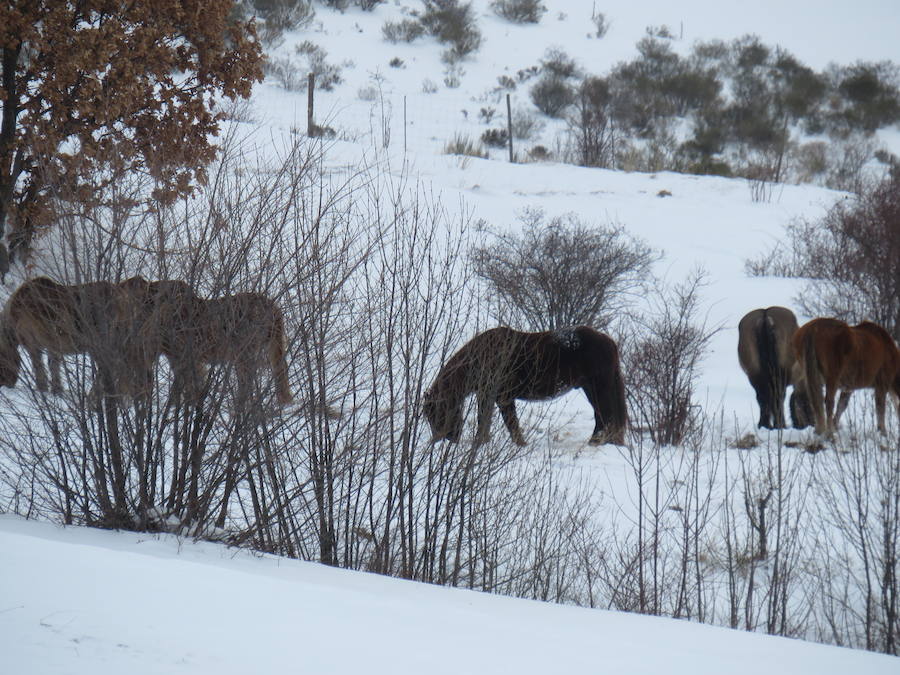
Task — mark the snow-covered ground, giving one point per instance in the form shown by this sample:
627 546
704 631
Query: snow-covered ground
80 601
85 601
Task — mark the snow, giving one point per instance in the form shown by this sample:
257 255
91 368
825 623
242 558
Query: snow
75 600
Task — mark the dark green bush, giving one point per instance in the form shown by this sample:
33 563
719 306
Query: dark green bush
552 96
452 22
519 11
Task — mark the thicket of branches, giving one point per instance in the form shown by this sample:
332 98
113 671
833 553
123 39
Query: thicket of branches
851 256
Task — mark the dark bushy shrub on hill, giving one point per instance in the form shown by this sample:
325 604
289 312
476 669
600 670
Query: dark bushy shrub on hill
519 11
866 98
276 16
495 138
556 63
659 84
406 30
591 131
552 96
452 22
853 253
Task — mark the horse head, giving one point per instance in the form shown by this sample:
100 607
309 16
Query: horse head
444 417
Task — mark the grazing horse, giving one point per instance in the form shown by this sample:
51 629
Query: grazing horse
839 356
245 330
501 365
45 316
767 357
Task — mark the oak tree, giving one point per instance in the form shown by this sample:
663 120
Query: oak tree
91 88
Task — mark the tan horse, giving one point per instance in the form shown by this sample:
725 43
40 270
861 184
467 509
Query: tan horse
45 316
841 357
245 331
766 356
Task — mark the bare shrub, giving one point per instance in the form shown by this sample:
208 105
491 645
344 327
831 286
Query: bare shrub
853 254
452 22
407 30
591 131
281 15
662 357
526 124
519 11
552 95
328 75
601 23
463 145
287 73
561 272
495 138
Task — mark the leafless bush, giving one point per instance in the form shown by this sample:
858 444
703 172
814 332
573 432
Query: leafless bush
591 131
562 272
861 535
462 145
853 253
452 22
407 30
662 358
328 75
519 11
552 96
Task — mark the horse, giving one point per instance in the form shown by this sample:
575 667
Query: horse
767 357
245 330
501 365
45 316
838 356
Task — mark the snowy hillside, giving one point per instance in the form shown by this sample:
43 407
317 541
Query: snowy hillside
87 601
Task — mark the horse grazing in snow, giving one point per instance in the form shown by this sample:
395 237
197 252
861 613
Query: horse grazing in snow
767 357
501 365
842 357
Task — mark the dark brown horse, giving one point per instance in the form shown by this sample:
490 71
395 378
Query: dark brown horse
767 357
245 331
502 365
838 356
45 316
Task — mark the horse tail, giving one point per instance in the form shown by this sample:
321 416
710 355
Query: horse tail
10 361
774 379
813 377
278 360
618 411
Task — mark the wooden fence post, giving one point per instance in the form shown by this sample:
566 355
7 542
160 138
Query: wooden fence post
310 123
509 127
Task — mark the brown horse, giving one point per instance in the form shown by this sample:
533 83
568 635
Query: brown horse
767 357
45 316
245 330
501 365
839 356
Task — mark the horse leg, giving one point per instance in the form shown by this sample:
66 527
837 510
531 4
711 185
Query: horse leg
779 389
842 404
761 389
880 400
279 368
511 420
485 410
830 391
37 364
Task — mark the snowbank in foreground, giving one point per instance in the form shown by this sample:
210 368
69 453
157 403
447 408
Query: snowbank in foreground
77 600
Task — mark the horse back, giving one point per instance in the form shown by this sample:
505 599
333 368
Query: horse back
876 360
765 335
